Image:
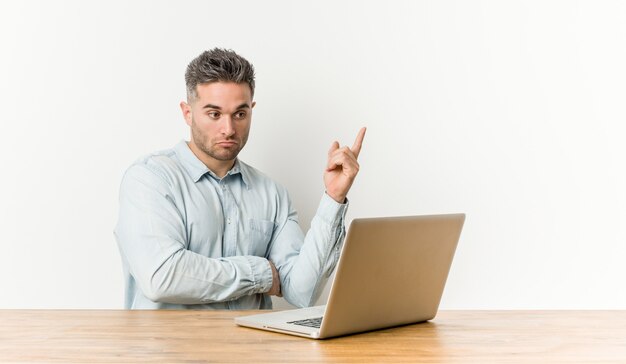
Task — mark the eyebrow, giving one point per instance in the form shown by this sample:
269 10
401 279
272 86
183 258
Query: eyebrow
211 106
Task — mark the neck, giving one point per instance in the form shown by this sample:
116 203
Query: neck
220 168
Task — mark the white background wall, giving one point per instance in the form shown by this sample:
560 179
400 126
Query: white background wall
510 111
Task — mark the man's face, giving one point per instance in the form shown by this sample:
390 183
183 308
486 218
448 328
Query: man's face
220 119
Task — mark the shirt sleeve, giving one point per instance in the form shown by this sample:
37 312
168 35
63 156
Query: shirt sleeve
304 263
151 236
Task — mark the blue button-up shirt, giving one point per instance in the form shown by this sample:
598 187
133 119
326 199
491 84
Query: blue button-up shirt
189 239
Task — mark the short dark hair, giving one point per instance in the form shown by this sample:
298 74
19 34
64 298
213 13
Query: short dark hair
217 65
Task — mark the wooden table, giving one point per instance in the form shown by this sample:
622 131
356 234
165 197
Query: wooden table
99 336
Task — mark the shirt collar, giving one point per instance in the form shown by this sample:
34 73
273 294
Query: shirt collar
240 168
197 169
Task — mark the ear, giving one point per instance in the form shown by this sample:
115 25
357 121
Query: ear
186 110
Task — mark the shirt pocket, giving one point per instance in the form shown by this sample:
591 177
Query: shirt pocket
260 235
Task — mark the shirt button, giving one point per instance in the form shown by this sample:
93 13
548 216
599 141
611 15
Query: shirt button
228 220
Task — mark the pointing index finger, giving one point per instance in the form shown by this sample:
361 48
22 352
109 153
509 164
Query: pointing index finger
356 147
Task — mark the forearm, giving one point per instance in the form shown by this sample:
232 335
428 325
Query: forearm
189 278
304 277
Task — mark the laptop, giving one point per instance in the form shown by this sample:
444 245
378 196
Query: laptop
391 272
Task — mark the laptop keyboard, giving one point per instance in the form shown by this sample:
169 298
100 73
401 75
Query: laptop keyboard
312 322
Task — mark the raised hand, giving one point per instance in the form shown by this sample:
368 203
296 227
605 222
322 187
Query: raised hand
342 168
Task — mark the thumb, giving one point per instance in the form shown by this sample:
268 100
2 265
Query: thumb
333 148
330 166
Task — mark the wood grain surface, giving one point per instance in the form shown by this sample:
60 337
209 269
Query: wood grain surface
117 336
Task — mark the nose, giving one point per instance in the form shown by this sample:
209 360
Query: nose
228 126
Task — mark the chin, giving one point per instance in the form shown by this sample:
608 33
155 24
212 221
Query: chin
225 156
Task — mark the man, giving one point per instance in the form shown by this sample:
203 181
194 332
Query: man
199 228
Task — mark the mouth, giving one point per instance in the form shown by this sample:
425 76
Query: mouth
227 143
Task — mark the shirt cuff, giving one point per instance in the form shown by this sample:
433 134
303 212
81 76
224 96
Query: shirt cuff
331 211
261 274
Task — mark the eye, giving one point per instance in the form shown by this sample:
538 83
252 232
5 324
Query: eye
240 115
214 114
